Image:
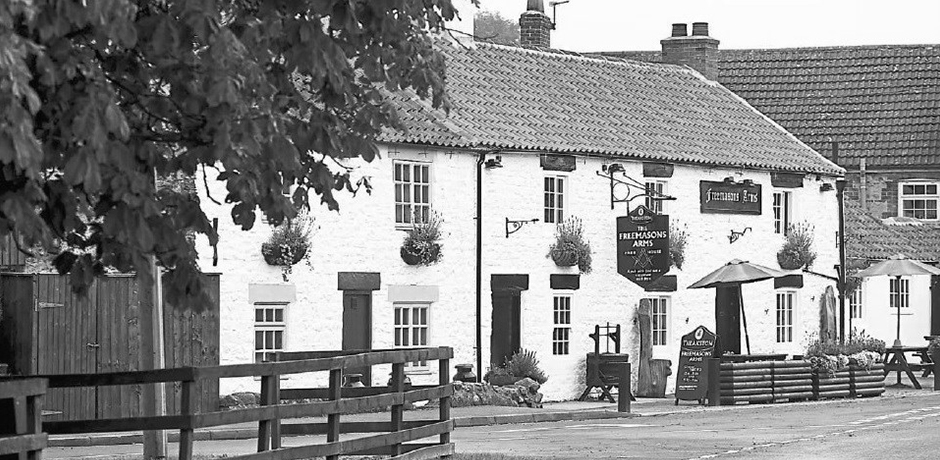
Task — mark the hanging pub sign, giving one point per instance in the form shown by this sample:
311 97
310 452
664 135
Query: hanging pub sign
642 245
692 376
730 197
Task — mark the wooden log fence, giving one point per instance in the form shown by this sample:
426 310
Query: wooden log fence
398 437
781 381
21 433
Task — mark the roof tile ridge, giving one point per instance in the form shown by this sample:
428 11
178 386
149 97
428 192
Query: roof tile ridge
833 47
574 55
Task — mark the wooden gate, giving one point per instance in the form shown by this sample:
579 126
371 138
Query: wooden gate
46 329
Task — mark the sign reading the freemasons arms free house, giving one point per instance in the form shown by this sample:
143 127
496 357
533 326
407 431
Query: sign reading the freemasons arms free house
730 197
642 245
692 377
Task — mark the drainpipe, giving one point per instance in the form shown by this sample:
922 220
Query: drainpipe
840 196
479 261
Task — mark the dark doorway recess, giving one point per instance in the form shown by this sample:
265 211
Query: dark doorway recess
506 330
728 318
934 305
357 328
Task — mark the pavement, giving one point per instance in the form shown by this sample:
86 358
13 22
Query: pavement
473 416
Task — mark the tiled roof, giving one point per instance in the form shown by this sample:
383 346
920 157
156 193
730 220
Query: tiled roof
881 103
867 237
519 99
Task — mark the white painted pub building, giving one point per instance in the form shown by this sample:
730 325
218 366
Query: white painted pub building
529 132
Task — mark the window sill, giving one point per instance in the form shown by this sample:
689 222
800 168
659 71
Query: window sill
419 371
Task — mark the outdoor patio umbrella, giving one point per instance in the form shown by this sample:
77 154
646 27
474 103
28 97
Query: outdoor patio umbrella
897 267
734 274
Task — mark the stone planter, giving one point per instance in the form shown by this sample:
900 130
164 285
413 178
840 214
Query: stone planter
272 254
502 380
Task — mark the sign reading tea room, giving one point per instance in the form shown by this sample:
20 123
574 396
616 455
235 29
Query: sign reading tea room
642 245
730 197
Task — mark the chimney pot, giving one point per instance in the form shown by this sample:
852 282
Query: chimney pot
699 29
535 5
680 30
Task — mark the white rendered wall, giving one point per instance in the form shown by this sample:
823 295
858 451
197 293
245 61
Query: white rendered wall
879 320
362 237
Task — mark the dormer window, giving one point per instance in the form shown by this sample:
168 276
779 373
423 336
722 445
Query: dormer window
918 200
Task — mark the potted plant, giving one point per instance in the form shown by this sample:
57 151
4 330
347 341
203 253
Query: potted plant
797 250
499 376
677 241
570 247
420 246
289 243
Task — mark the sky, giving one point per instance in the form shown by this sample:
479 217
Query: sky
613 25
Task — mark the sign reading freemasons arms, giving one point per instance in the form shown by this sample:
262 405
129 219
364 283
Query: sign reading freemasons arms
730 197
642 245
692 377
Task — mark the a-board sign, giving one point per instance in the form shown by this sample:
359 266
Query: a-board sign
694 350
642 245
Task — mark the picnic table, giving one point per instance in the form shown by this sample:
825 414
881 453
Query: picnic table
895 360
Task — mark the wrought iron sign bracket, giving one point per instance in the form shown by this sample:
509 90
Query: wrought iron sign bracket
608 172
513 226
735 235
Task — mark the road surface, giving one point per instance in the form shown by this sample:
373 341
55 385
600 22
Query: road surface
879 428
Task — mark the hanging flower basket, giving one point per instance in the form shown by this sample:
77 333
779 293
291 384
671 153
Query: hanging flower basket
420 246
570 248
279 255
797 252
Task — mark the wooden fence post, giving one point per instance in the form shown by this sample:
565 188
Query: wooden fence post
623 390
187 407
713 392
398 386
266 426
444 380
332 420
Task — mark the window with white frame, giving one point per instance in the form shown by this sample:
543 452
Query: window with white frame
918 200
785 307
411 327
659 320
554 199
269 330
412 192
855 303
561 334
783 212
900 290
655 189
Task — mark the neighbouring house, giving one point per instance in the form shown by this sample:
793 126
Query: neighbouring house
520 152
874 110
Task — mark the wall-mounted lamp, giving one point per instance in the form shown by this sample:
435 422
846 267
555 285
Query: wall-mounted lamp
748 182
825 187
735 235
492 163
513 226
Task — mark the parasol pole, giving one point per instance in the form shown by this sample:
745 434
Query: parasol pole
747 338
897 303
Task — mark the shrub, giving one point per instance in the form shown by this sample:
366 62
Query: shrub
677 242
523 363
420 246
797 251
831 355
570 247
934 347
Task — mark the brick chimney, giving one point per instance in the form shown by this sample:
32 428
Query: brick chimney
535 28
698 51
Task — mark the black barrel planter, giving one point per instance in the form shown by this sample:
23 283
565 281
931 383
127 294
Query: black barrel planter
832 385
793 380
750 382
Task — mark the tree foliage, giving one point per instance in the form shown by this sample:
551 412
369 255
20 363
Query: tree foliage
492 27
99 96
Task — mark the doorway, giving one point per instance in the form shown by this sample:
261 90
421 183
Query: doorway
357 328
506 335
728 318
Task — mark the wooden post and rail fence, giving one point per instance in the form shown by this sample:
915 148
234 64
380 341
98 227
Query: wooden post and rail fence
399 438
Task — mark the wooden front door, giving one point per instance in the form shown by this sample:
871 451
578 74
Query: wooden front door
67 343
505 335
728 318
357 328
